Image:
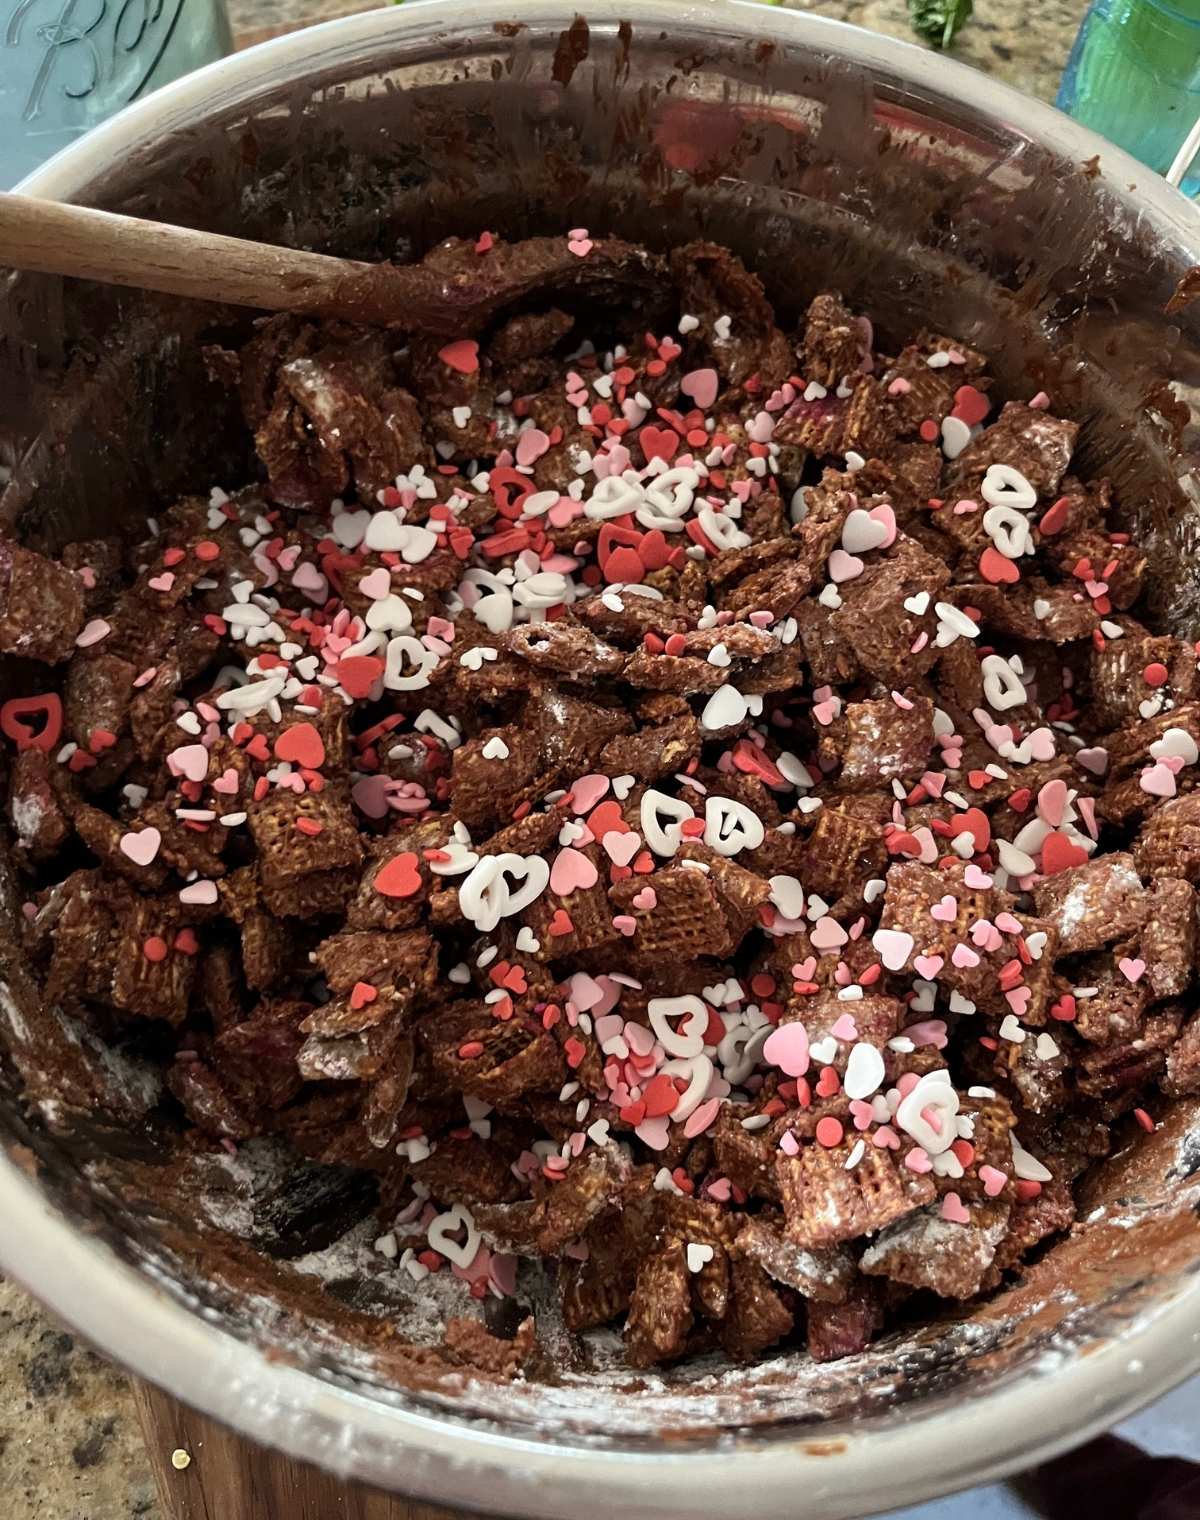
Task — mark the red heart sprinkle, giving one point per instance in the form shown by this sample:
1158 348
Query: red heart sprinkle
362 994
462 356
658 443
996 568
560 923
976 823
623 566
301 745
1054 520
606 818
398 877
654 549
358 674
660 1096
24 735
1059 854
970 405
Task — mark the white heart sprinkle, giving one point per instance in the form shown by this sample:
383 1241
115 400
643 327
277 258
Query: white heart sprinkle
698 1256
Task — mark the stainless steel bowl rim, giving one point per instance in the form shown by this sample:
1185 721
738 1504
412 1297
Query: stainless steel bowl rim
834 1473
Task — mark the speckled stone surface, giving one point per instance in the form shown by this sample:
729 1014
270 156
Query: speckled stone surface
70 1448
1022 43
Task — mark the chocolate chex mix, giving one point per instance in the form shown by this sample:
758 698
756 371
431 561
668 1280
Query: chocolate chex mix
685 799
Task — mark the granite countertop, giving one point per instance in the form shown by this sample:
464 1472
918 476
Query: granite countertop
70 1447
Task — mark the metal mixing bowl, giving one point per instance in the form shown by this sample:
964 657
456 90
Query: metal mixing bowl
827 157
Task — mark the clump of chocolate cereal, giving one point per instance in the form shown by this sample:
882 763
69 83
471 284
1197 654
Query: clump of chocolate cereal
683 799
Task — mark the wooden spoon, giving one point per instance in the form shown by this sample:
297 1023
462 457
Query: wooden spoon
52 238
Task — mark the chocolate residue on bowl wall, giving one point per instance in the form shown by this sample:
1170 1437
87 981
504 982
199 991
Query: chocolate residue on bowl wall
817 181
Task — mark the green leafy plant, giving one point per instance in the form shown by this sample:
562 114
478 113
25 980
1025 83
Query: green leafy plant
939 21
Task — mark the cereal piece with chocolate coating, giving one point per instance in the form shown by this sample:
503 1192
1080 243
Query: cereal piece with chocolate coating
821 1275
839 1330
39 822
846 846
877 621
1168 938
1169 841
1094 904
152 977
879 741
309 849
660 1309
825 1203
41 606
686 920
928 1250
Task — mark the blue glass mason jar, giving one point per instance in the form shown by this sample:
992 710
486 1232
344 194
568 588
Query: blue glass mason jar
66 65
1134 77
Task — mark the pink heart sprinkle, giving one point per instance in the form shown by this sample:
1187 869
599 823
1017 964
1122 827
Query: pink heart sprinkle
928 966
1052 802
1041 744
977 880
787 1048
140 847
92 633
1132 970
370 796
647 898
788 1144
828 934
228 783
162 582
886 1138
701 385
844 567
621 848
1018 999
722 1188
1158 781
189 760
862 1113
531 445
825 712
803 970
653 1132
845 1028
308 578
928 1032
963 957
699 1120
202 893
954 1210
945 911
1008 924
1094 760
624 924
885 515
587 792
966 505
581 247
918 1160
571 872
608 1026
639 1039
994 1181
377 585
985 935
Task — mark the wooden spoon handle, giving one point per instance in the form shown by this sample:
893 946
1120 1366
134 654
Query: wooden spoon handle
52 238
